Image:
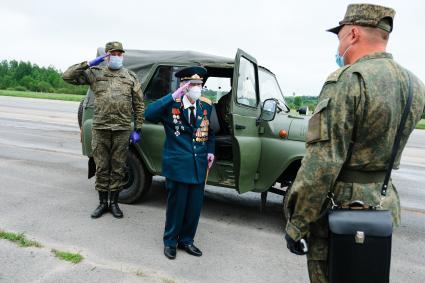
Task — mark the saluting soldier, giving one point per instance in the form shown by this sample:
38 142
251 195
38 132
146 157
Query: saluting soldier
117 95
188 152
351 132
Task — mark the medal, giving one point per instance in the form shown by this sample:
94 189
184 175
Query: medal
177 133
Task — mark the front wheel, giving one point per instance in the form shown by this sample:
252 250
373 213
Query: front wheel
137 180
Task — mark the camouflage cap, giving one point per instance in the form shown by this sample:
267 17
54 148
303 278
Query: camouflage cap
113 46
367 15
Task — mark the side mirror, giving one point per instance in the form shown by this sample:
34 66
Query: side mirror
268 111
303 110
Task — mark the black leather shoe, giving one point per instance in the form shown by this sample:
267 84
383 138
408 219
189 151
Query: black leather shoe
190 249
113 206
170 252
103 206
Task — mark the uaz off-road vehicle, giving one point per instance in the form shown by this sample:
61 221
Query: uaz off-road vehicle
259 150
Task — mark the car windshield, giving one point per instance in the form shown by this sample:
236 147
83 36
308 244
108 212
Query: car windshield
269 88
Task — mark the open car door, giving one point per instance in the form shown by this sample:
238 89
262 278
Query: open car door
246 109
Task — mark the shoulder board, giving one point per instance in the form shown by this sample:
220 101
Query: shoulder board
335 75
178 100
206 100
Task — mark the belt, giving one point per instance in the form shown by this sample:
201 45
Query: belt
362 177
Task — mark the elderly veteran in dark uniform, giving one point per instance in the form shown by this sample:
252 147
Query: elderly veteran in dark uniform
188 154
117 95
351 133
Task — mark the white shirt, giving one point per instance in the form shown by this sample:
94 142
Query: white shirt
187 104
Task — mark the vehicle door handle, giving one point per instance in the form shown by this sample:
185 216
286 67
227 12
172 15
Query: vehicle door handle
239 127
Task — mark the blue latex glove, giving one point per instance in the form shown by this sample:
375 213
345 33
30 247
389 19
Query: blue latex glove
135 136
180 91
98 60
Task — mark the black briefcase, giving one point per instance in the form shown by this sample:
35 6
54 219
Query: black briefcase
359 245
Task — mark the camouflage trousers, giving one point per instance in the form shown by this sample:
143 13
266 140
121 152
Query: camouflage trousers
317 257
110 151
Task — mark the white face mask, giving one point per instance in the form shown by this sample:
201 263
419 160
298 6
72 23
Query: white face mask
194 93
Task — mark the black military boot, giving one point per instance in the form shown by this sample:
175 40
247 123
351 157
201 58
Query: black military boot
115 209
103 206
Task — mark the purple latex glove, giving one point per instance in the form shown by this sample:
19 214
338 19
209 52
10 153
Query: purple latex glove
211 158
135 136
180 91
98 60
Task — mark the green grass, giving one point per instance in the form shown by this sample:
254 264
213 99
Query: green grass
42 95
71 257
19 239
421 124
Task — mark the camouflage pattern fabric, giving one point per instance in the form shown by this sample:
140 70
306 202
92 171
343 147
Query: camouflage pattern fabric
110 151
367 15
360 105
114 91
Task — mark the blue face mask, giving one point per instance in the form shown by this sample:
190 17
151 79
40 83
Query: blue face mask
340 58
115 62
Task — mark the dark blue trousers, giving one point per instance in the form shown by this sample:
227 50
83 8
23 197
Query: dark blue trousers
184 203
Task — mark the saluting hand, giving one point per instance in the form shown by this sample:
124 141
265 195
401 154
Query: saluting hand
180 91
98 60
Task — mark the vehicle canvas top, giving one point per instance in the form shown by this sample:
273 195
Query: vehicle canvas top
141 61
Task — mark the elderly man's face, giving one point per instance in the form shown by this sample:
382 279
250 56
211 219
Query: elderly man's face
193 85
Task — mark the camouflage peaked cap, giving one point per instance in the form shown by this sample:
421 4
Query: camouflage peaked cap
367 15
114 46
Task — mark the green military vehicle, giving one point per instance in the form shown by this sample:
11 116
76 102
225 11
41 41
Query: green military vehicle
259 146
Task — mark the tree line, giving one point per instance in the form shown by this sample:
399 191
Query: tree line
24 76
295 102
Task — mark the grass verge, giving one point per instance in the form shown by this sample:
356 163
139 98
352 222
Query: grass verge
41 95
421 124
19 239
71 257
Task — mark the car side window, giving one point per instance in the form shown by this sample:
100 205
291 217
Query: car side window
162 82
216 87
246 93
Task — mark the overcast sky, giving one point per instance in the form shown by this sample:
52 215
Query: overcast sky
287 37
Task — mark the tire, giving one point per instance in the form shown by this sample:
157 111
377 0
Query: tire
138 180
80 113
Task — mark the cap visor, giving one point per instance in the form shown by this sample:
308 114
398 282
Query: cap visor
335 30
116 50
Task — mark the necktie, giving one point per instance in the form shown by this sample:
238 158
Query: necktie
192 115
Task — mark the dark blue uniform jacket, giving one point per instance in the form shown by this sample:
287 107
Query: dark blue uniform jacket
185 151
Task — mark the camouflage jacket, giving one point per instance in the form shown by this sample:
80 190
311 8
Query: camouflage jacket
360 106
116 95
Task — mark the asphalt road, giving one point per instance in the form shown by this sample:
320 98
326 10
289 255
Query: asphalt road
44 192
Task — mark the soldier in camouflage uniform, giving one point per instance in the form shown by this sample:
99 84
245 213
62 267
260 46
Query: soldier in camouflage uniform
359 110
117 94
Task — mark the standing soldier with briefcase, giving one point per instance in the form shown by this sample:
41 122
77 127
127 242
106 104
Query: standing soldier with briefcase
117 95
350 137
